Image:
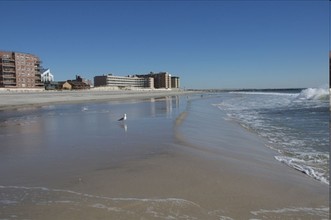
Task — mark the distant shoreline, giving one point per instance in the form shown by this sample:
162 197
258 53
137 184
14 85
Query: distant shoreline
32 98
21 98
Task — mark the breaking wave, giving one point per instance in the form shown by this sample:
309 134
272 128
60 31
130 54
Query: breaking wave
315 94
302 166
48 203
294 122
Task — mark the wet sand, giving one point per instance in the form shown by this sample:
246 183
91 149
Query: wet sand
169 160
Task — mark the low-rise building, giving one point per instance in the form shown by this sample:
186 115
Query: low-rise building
54 85
161 80
76 84
123 81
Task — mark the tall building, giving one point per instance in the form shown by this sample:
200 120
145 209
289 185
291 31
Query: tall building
161 79
19 70
175 82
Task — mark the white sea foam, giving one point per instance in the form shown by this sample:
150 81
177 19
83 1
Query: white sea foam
300 166
322 212
294 123
266 93
108 208
319 93
7 202
85 108
314 93
164 208
177 201
121 208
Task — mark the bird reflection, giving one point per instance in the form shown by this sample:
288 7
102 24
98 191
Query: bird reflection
125 127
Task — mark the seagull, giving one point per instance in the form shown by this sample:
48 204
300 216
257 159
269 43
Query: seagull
123 119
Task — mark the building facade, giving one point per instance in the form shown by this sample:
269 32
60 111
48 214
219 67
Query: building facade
175 82
20 70
47 76
123 81
161 79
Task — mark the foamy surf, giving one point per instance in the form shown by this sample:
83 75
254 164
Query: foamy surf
294 123
288 213
314 93
23 202
41 202
301 166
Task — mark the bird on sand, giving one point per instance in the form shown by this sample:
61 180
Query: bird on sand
123 118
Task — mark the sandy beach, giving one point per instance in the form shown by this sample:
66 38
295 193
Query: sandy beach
176 157
23 98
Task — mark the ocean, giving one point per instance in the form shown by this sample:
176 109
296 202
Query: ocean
294 122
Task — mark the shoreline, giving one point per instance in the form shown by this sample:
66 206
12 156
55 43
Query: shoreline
244 170
170 159
22 99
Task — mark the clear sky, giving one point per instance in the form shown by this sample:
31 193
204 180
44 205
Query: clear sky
208 44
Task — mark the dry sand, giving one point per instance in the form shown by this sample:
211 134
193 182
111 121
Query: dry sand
24 98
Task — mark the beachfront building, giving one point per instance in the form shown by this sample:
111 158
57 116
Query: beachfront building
123 81
175 82
161 79
47 76
76 84
20 70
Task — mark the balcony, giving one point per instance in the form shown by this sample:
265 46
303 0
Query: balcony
9 82
7 59
38 68
9 70
8 76
8 64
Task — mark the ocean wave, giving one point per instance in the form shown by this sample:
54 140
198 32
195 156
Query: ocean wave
69 204
293 124
299 165
314 94
322 212
13 198
267 93
320 93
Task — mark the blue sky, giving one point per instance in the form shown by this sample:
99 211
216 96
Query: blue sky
208 44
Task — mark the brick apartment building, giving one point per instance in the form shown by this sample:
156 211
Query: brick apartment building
161 79
20 70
